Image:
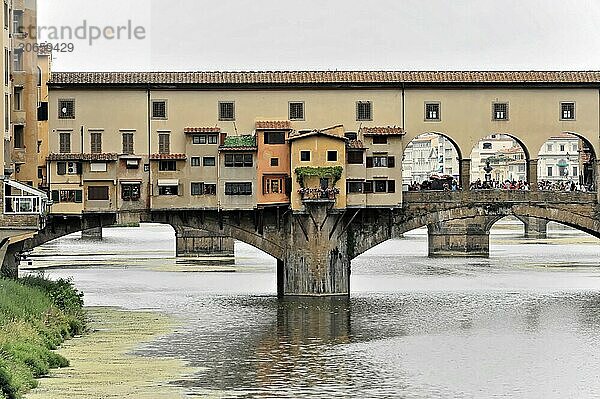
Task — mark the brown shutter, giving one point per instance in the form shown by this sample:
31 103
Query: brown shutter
369 162
391 162
391 186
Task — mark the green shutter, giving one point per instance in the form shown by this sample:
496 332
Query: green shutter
55 196
78 196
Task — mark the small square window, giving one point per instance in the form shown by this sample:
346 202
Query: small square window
66 109
500 111
331 156
432 111
159 109
195 161
296 111
364 111
380 140
305 156
226 111
208 161
567 111
274 161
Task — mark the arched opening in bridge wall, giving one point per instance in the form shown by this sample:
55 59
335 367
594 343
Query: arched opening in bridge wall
566 163
431 161
499 161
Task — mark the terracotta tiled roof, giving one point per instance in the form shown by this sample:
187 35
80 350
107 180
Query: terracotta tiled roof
322 77
310 133
214 129
356 144
274 125
382 131
82 157
158 157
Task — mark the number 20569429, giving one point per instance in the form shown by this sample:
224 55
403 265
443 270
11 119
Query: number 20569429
47 47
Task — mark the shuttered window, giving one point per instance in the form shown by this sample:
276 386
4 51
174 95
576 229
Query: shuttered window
96 142
65 142
164 144
128 143
98 193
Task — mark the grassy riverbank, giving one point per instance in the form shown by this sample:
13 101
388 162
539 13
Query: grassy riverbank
36 315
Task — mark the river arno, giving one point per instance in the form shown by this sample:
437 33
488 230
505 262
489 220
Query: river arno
524 323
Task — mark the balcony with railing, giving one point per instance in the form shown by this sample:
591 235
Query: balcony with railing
318 194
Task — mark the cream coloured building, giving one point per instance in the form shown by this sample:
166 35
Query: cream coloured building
166 136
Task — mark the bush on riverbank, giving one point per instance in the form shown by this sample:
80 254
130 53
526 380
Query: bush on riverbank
36 315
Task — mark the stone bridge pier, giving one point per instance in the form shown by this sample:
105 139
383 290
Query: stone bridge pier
461 237
201 243
535 227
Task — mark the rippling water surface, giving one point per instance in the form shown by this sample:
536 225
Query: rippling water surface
524 323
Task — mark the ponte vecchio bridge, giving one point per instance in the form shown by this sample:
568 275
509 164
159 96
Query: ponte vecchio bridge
306 166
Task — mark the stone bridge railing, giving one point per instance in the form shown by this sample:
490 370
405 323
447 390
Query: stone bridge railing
504 196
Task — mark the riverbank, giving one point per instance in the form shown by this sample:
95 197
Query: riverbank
36 315
103 367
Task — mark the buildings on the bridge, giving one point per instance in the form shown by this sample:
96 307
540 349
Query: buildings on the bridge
133 141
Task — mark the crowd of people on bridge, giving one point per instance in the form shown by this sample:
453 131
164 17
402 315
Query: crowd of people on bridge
438 184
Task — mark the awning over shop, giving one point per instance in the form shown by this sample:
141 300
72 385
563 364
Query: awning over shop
168 182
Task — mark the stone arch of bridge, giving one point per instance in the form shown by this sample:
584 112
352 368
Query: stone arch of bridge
448 137
491 212
521 143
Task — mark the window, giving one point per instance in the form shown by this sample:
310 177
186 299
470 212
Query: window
6 112
355 186
66 109
548 147
567 111
96 142
487 146
351 135
130 191
18 21
65 142
6 14
500 111
164 143
167 166
575 170
195 161
549 171
128 143
18 139
98 193
42 111
364 111
296 111
238 160
159 109
380 186
274 137
205 139
274 161
168 190
18 59
197 188
331 156
380 161
226 111
305 156
132 163
562 147
273 185
355 157
6 66
380 140
208 161
238 188
67 196
432 111
61 168
17 99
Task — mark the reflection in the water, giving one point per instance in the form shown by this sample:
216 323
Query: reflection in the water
524 323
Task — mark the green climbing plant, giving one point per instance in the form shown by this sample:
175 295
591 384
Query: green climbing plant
333 172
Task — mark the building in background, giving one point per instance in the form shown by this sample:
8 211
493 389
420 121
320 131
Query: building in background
505 156
558 159
429 154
